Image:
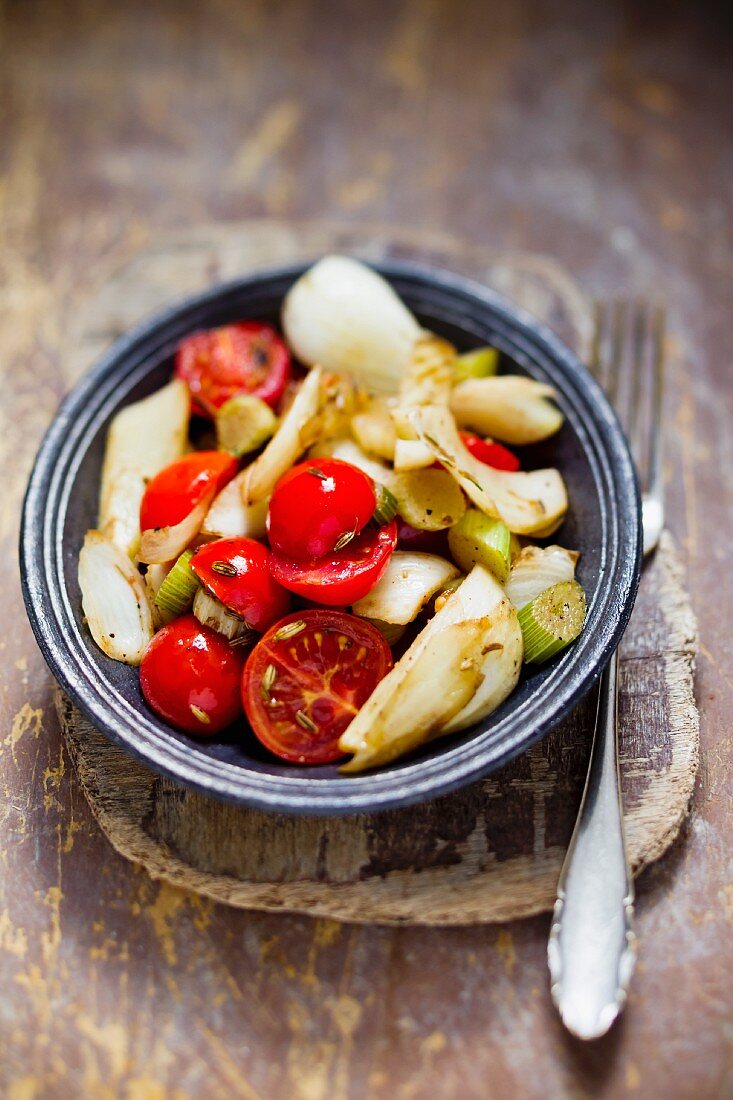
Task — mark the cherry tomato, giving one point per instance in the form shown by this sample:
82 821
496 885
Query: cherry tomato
307 678
343 577
490 453
248 357
236 572
190 676
316 504
427 542
176 490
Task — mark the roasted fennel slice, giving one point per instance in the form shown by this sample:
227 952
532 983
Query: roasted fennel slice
460 667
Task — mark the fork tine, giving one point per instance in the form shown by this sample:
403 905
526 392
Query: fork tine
594 362
641 324
612 374
655 474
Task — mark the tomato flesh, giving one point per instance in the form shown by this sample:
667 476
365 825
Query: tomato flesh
341 578
190 676
236 572
316 504
176 490
306 679
249 357
491 453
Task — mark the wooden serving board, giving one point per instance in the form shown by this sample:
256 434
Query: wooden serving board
491 852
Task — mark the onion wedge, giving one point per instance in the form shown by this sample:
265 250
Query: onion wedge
287 444
509 407
229 517
141 440
409 581
345 317
114 599
460 667
529 503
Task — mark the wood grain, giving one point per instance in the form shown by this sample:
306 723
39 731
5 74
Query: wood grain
598 134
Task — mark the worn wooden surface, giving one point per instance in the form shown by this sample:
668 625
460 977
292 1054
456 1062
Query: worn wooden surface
598 134
486 854
492 852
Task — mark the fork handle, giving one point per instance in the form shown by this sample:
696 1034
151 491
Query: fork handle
592 948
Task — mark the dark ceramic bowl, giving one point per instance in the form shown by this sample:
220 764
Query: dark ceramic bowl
603 523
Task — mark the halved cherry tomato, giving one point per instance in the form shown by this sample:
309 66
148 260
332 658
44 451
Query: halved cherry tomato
316 504
236 572
307 678
175 491
249 357
490 453
190 676
343 577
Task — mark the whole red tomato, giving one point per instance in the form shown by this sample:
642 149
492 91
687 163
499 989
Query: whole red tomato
316 505
190 676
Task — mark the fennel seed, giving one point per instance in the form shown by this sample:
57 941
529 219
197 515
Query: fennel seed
316 473
344 540
202 716
288 631
305 721
267 682
224 569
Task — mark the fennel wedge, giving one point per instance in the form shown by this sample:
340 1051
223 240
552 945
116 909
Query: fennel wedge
229 516
114 599
346 318
510 407
141 440
528 503
408 583
288 442
460 667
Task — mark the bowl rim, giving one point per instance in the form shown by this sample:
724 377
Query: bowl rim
452 766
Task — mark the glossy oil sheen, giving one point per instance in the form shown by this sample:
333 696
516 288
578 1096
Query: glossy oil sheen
604 524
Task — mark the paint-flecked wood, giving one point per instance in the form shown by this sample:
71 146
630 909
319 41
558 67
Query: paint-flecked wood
598 134
490 853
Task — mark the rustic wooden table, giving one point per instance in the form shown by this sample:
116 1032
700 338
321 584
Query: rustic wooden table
598 134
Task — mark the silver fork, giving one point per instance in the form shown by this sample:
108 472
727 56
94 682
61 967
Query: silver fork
592 947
